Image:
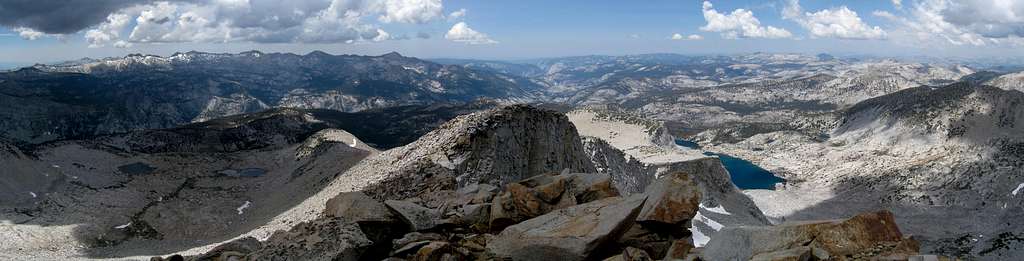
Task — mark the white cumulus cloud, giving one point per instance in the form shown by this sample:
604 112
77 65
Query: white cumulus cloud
259 21
382 36
411 11
961 22
457 15
108 32
741 23
678 36
461 32
839 22
28 33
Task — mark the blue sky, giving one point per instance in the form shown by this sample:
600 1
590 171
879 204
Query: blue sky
511 29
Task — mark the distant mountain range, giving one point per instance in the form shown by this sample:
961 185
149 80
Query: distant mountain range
93 97
114 95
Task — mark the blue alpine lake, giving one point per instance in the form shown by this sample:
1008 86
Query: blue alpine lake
688 144
743 173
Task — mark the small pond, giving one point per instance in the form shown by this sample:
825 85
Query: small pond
137 168
246 172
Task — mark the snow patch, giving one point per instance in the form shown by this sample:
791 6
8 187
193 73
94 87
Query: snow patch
123 226
243 207
1017 190
699 239
707 221
354 142
417 70
719 209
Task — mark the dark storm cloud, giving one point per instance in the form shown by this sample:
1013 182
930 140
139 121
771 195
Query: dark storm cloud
59 16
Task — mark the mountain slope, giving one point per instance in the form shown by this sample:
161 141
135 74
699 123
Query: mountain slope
108 197
945 156
1010 81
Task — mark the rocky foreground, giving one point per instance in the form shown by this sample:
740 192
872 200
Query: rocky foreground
567 216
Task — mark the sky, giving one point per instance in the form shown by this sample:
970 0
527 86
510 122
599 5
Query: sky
46 31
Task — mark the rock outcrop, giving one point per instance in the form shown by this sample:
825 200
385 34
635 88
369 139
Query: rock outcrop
322 239
574 233
541 194
628 174
673 200
234 104
865 236
632 149
495 147
359 208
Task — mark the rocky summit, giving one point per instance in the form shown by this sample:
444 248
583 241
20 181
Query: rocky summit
552 207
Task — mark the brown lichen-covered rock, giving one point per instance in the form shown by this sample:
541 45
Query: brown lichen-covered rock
587 187
358 207
572 233
411 242
541 194
529 198
417 217
477 216
434 251
320 239
377 222
867 235
656 244
672 200
680 249
476 194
